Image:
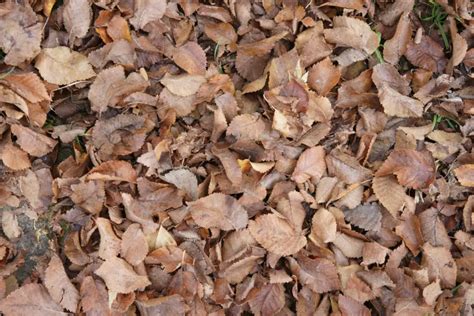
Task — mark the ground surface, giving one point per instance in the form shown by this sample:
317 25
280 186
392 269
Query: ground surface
272 157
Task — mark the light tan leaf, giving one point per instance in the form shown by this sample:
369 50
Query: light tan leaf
374 252
277 235
396 47
113 170
31 299
414 169
323 76
433 228
60 65
311 165
219 211
59 286
10 226
465 175
13 157
184 180
323 226
33 143
94 297
20 34
134 246
163 305
77 16
397 104
351 32
109 246
191 58
350 246
147 11
183 85
431 292
390 193
120 277
350 306
220 33
170 257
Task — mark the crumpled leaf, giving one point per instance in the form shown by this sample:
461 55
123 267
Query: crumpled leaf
77 16
219 211
20 33
396 47
89 195
61 65
59 286
113 170
109 246
32 142
440 264
30 299
28 85
428 54
247 126
323 226
414 169
120 277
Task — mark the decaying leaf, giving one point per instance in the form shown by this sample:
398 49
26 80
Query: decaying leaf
32 142
77 15
62 66
465 175
427 54
147 11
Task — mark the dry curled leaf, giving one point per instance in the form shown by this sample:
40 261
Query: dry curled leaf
465 175
414 169
396 47
61 65
219 211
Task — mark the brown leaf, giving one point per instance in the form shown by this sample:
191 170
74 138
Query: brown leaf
351 32
319 274
346 167
267 300
30 299
373 252
311 45
111 87
13 157
388 75
390 194
367 216
237 271
465 175
113 170
170 257
191 58
146 11
311 165
94 297
89 195
20 33
324 76
228 160
220 33
59 286
62 66
431 292
77 16
390 15
219 211
396 47
414 169
119 52
33 143
396 104
409 230
27 85
247 126
350 306
183 85
120 277
164 305
433 229
323 226
428 54
184 180
440 264
109 242
282 68
134 246
277 235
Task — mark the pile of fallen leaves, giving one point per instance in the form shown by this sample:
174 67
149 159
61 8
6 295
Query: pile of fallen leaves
272 157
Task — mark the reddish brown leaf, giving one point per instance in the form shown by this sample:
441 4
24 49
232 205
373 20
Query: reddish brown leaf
324 76
428 54
191 58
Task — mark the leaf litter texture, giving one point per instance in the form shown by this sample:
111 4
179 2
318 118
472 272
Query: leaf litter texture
242 157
